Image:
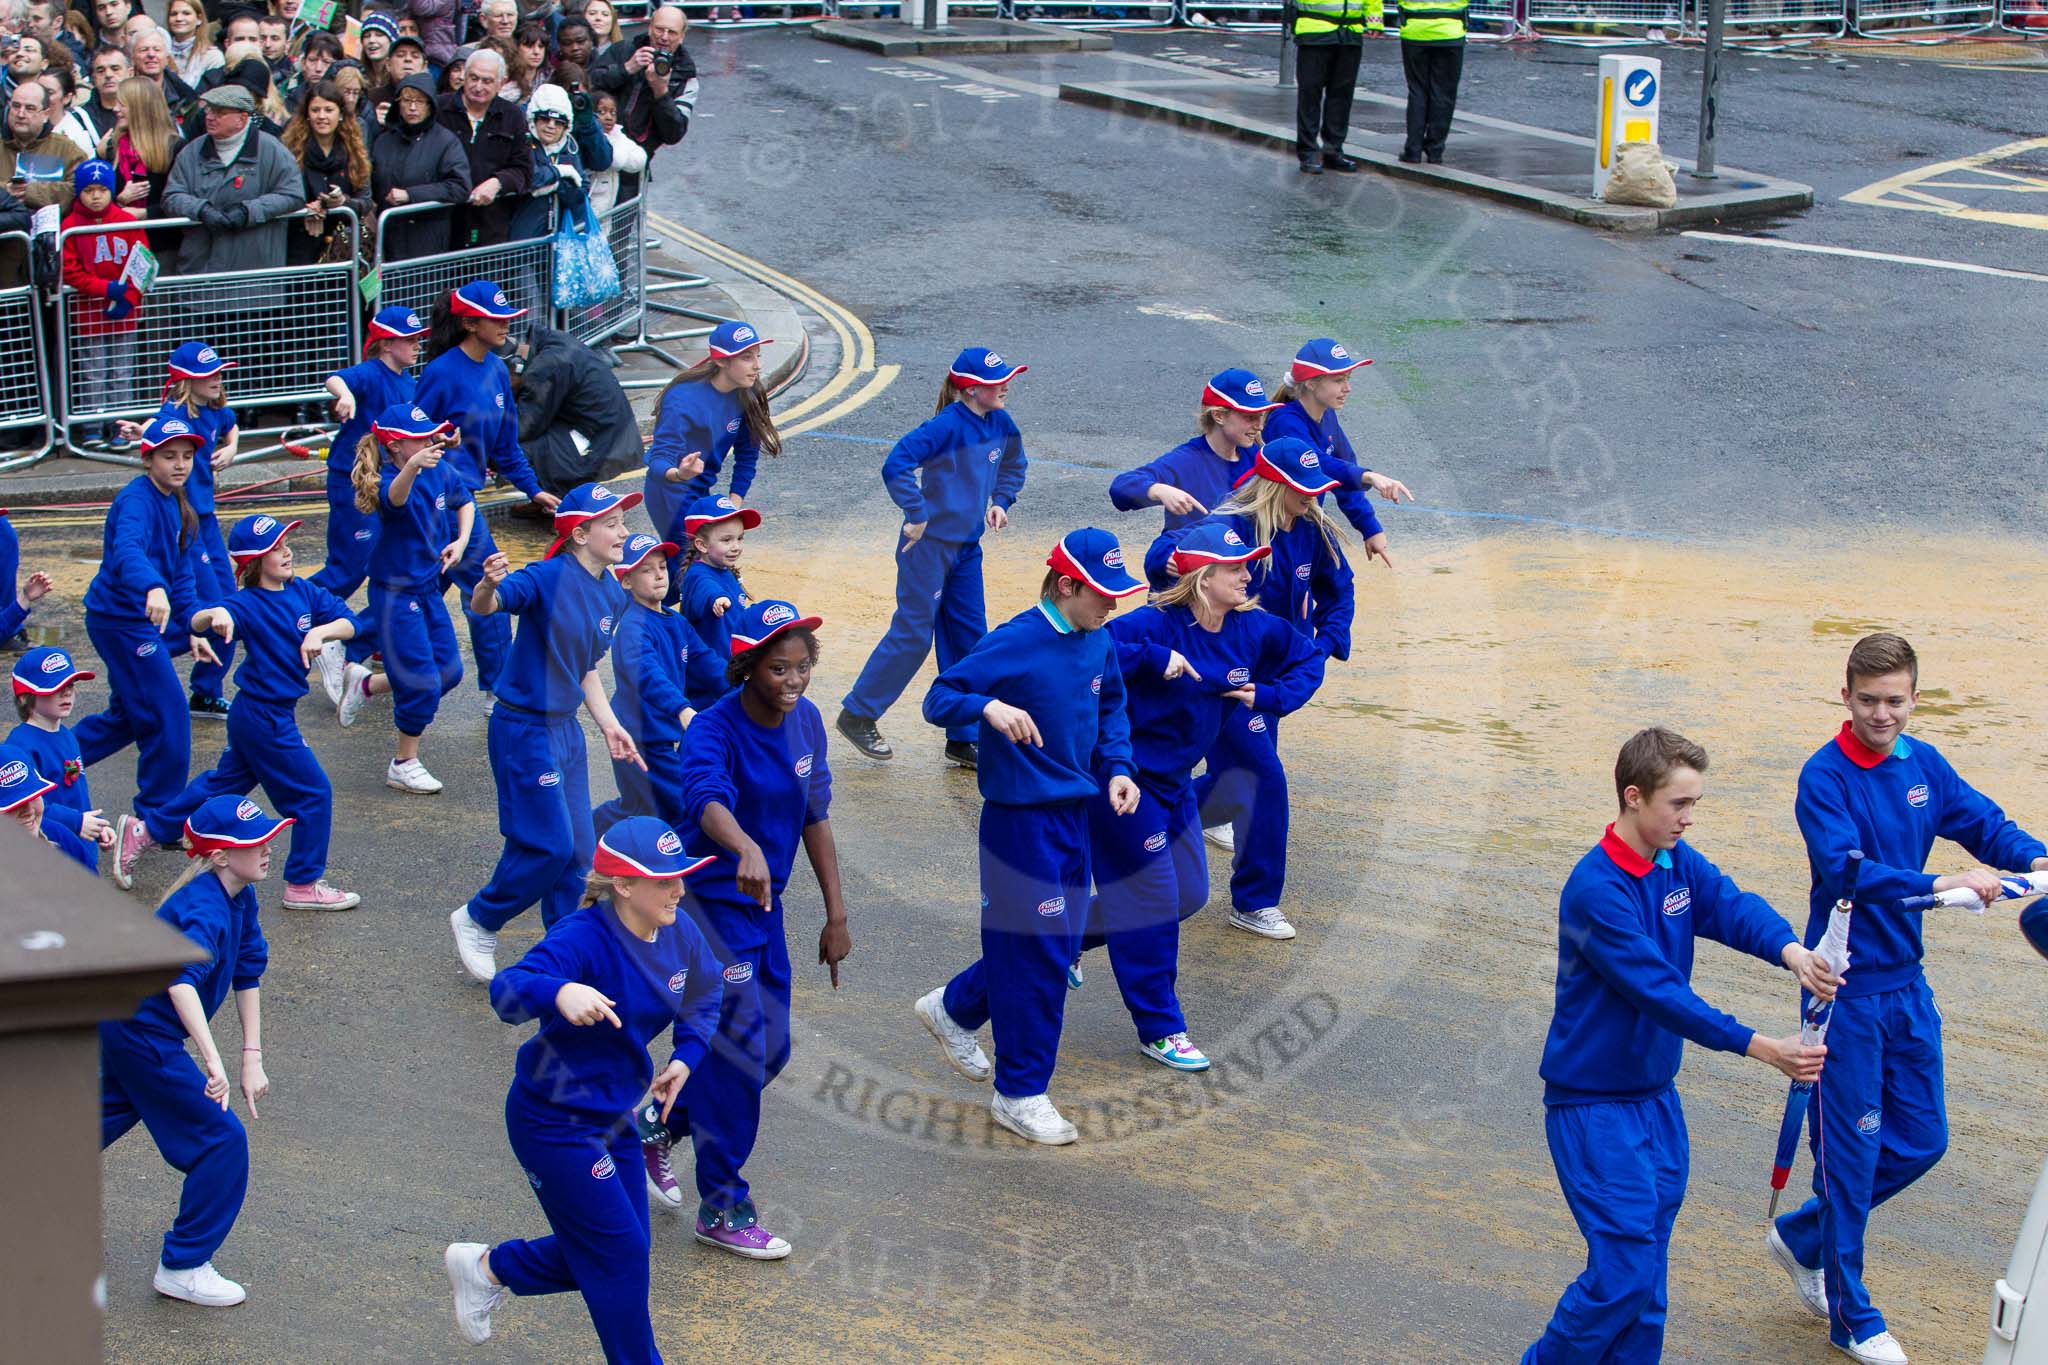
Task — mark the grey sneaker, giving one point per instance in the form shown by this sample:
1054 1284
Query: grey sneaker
1266 923
963 1053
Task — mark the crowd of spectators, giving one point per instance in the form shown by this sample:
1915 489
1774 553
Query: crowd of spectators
467 128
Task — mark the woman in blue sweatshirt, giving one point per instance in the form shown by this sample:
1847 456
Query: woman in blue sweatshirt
1317 384
1199 652
713 412
954 477
569 606
467 385
282 621
136 611
649 656
1306 583
1048 698
604 983
1626 925
755 786
147 1076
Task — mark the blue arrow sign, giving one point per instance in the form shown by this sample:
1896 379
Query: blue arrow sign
1640 88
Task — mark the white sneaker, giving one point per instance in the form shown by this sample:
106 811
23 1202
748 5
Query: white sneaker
332 661
1881 1349
411 776
1223 836
962 1051
204 1285
355 690
1032 1118
1811 1284
475 1296
1266 923
475 945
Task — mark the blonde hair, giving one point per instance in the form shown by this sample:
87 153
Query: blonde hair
202 31
1207 419
1259 499
150 130
1187 589
271 104
181 394
193 867
363 473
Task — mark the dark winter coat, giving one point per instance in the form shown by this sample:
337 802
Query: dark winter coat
428 163
568 387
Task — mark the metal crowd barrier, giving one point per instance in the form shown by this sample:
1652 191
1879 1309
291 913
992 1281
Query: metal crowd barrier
286 330
2024 16
1807 18
1604 14
525 270
1901 17
24 391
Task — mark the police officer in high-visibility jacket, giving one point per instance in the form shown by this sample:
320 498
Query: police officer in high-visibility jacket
1330 35
1432 57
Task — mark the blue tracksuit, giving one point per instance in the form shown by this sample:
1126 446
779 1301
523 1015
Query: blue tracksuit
649 656
264 744
535 740
213 573
704 678
1880 1116
145 701
476 395
946 474
1306 583
55 754
568 1114
10 560
1034 824
70 845
351 534
1150 871
695 418
1339 460
13 615
777 784
1193 468
408 608
1625 1006
146 1076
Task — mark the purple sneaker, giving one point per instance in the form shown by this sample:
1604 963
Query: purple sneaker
661 1177
739 1232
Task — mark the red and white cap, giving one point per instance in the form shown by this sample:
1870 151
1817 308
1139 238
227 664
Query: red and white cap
230 822
1320 358
1093 557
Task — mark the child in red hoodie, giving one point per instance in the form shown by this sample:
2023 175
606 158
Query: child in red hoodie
103 309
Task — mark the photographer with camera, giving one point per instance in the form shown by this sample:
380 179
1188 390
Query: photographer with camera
655 83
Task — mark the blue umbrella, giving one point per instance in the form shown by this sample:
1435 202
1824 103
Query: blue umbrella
1814 1015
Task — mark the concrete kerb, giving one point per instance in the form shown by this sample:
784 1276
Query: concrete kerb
729 294
981 37
1750 195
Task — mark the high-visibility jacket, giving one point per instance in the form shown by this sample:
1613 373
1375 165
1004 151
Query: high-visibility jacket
1337 21
1432 21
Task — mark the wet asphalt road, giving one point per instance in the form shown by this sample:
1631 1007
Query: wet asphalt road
1640 462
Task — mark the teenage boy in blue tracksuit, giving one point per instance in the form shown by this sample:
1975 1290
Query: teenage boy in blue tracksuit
468 385
649 656
1045 690
1627 921
569 604
1881 1119
146 1075
280 620
954 477
604 983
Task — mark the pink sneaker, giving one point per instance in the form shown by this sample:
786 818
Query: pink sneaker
739 1232
319 896
131 841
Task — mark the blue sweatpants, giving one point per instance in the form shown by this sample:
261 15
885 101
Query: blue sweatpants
720 1106
1623 1167
1246 788
1034 884
264 745
213 581
938 597
421 659
657 792
153 1081
145 707
544 814
1150 874
1880 1122
587 1175
490 637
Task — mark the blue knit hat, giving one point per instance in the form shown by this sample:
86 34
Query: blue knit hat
91 173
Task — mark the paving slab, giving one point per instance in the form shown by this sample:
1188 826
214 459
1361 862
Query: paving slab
982 37
1540 169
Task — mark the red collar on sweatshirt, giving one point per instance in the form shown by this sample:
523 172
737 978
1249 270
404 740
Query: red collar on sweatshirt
1627 859
1861 754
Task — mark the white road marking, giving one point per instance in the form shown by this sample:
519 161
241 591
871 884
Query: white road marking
1963 266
